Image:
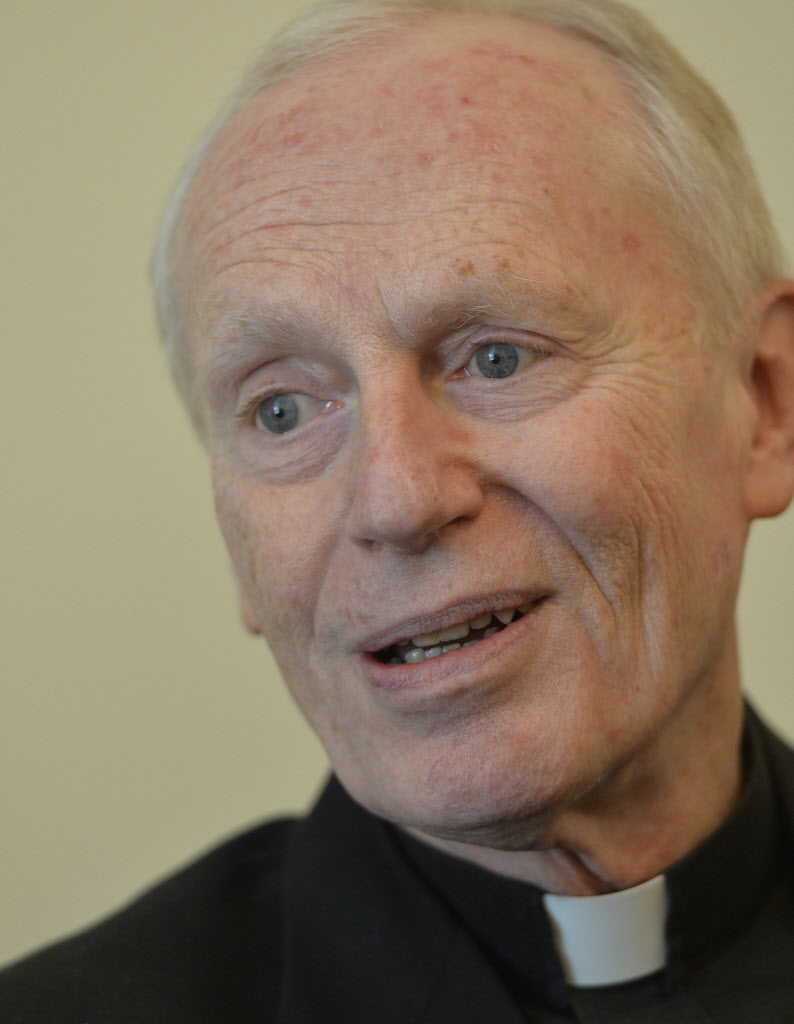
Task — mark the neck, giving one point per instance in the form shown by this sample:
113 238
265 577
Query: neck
648 814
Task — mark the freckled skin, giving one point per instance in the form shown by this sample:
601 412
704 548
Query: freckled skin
465 163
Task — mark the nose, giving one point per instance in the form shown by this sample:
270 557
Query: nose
413 468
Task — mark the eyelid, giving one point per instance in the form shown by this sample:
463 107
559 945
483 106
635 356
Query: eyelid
267 382
477 335
246 412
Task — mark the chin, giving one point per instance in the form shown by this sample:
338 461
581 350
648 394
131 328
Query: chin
501 803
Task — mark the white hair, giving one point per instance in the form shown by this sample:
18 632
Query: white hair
694 158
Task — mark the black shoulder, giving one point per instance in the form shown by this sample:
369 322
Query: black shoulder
204 945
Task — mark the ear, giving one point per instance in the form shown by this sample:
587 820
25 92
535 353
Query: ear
769 480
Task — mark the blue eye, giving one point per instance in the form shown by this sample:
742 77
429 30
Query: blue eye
279 413
497 360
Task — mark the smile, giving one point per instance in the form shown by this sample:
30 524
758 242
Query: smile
464 634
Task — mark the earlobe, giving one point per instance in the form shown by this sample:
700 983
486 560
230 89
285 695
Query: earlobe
249 618
769 480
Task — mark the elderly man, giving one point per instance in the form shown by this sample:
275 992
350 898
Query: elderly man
480 317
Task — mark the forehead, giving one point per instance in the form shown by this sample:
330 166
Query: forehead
459 81
427 72
430 137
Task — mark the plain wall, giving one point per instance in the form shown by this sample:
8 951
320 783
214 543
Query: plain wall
139 723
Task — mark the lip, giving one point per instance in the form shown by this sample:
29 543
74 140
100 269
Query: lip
487 659
461 611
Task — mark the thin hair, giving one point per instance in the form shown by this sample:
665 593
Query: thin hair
695 163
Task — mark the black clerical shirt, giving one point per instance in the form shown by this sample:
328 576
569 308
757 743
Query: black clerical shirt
339 918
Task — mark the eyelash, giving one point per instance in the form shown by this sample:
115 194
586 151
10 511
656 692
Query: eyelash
247 413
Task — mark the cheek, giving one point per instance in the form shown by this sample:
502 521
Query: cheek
628 488
580 470
274 555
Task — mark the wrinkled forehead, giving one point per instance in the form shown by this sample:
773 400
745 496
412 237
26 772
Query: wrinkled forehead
472 92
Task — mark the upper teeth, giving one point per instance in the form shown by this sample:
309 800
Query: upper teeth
462 629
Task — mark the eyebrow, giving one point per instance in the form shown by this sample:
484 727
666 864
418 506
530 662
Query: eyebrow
239 336
253 324
454 315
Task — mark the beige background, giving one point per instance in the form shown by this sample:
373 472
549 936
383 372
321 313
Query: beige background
139 723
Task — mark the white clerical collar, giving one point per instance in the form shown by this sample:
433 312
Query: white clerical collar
606 940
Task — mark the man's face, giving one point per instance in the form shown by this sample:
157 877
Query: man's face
447 364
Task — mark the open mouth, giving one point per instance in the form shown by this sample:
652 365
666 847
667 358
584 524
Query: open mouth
464 634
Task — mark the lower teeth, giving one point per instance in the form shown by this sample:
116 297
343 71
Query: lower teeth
426 653
419 654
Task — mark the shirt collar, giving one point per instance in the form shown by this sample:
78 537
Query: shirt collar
610 939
